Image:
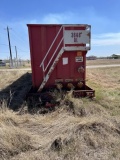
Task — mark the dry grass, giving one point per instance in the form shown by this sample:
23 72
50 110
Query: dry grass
13 87
106 83
103 61
7 78
78 129
13 139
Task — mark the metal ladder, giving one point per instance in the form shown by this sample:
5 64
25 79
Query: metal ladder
51 69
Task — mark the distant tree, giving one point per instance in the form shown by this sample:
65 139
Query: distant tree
115 56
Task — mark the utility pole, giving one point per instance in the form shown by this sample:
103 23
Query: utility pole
16 55
16 51
9 47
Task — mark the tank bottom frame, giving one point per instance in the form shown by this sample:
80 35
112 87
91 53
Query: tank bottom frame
51 97
86 92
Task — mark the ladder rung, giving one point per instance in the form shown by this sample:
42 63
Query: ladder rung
50 70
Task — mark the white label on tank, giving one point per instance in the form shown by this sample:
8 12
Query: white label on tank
76 37
79 59
65 61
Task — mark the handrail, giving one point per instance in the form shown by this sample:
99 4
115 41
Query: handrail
53 54
51 46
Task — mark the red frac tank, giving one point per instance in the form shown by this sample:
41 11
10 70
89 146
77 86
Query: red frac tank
58 54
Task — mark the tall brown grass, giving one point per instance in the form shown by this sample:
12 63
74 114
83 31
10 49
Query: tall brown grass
77 129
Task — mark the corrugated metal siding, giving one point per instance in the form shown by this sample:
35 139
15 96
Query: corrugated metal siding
41 37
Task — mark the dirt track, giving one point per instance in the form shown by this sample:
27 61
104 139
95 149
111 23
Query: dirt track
102 66
15 69
92 66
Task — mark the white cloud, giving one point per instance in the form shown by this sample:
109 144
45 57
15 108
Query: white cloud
51 18
60 18
100 42
106 39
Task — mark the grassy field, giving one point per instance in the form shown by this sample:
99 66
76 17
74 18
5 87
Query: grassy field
88 62
103 62
106 82
87 129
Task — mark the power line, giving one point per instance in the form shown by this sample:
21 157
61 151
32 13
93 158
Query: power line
3 33
4 44
19 36
14 37
21 41
22 50
14 46
8 52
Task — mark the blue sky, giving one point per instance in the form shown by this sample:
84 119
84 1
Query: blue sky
102 15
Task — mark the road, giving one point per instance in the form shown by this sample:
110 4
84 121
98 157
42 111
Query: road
29 69
15 69
103 66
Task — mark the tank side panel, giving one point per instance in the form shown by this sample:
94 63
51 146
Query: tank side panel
31 55
37 53
41 38
67 68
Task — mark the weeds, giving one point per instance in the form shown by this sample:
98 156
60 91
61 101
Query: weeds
77 129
